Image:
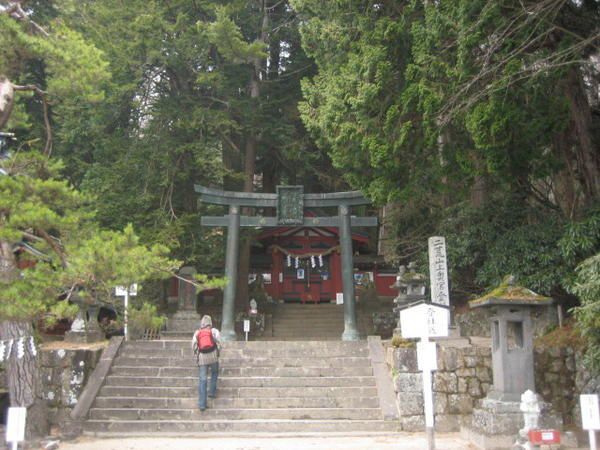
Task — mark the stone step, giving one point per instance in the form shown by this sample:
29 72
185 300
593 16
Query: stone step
199 427
185 352
282 330
272 387
245 392
299 335
248 371
349 361
252 345
295 338
309 318
236 414
224 382
251 403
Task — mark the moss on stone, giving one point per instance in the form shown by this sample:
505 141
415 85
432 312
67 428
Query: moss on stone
508 291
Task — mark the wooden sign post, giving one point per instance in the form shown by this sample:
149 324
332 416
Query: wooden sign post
124 291
15 426
424 321
590 416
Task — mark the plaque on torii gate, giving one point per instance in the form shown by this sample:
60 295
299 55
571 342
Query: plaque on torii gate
289 202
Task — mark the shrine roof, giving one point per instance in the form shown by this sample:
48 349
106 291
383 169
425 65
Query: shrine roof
278 231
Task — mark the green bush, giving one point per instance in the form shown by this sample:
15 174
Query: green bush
587 288
144 318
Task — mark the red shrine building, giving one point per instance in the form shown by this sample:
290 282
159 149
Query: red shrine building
303 264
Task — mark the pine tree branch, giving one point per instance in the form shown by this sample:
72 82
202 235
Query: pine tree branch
15 10
54 245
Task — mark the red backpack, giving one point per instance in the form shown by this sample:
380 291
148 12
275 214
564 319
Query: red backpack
205 340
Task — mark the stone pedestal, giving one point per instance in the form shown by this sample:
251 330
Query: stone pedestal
85 331
184 323
186 320
494 425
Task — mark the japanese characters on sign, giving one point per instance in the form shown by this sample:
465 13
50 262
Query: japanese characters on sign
424 320
438 271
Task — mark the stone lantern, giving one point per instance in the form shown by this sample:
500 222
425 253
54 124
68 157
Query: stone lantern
411 290
496 423
85 327
512 338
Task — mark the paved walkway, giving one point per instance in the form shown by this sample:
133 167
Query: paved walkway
398 441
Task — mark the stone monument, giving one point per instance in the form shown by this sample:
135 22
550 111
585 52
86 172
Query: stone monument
496 423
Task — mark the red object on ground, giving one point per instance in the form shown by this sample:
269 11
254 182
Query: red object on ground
538 437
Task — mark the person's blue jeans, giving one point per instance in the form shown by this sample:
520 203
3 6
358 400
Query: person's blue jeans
203 381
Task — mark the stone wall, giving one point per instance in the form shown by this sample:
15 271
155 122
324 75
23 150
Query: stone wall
555 375
64 375
464 376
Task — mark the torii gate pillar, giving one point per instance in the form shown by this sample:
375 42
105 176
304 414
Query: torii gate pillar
231 272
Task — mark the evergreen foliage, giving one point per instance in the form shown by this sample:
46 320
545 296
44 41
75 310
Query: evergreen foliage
477 119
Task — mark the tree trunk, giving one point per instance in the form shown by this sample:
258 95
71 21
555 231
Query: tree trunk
7 100
22 374
250 168
479 186
586 151
565 183
23 378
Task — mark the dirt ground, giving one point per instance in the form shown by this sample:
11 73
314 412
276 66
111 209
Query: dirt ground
399 441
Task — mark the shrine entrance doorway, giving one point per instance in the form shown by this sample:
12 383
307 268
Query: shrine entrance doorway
304 263
307 284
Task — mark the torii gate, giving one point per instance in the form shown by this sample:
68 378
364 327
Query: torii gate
290 202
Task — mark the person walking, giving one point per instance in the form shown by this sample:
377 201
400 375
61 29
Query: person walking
205 343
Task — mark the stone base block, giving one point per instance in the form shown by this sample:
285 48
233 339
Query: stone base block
495 425
446 423
412 423
482 441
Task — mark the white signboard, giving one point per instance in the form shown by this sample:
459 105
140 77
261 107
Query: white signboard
339 298
246 326
438 271
424 320
15 425
121 291
590 415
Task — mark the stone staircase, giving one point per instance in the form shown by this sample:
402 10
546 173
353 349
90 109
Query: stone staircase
297 322
264 387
